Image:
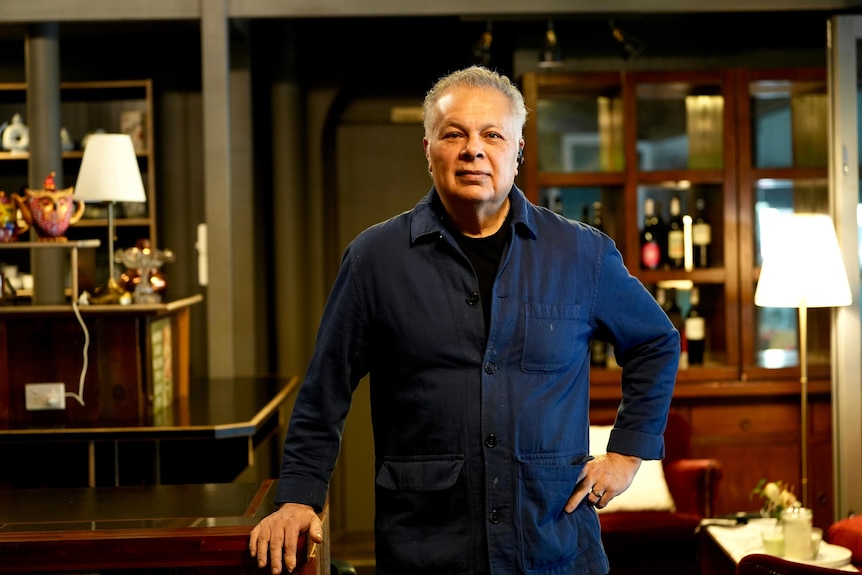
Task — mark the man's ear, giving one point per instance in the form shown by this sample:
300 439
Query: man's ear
427 154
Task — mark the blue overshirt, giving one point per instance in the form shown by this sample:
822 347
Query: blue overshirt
478 444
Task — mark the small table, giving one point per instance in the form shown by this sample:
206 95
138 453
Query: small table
200 529
209 436
722 547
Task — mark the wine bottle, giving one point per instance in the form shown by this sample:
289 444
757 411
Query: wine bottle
661 298
674 312
597 220
675 237
695 329
701 234
651 237
598 353
557 205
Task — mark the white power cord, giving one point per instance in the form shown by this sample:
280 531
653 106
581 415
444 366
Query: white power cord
79 397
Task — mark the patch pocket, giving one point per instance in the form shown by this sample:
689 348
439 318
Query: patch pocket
548 535
552 334
426 528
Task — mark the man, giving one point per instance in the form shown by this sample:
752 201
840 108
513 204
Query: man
473 314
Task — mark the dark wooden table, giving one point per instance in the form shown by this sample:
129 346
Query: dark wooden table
177 529
210 436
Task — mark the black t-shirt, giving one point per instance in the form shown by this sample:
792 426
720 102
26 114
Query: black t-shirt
485 254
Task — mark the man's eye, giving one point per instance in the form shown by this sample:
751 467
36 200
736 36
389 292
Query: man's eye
452 135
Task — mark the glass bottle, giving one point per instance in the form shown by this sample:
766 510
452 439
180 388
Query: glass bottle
651 237
701 234
661 298
557 205
673 311
675 236
597 220
695 329
797 532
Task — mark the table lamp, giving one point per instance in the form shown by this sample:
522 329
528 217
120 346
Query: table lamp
802 268
110 173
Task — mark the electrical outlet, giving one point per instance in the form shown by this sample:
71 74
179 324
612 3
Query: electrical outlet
43 396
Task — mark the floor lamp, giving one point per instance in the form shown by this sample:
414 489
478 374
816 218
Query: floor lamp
802 268
110 173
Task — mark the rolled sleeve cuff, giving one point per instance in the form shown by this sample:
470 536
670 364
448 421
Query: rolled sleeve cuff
639 444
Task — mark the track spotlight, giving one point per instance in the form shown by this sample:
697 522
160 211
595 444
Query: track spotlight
551 55
630 46
482 47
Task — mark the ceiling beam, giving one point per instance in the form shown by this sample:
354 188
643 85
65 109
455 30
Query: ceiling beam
31 11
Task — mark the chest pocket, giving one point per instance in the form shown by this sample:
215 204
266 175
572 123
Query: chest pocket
554 335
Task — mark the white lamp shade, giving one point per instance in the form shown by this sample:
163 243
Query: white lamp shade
802 264
109 171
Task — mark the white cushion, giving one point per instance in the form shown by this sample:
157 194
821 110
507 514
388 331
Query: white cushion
648 491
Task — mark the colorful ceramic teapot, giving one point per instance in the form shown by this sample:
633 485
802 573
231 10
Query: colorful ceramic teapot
8 218
49 211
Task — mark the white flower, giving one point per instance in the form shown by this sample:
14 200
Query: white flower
772 492
786 499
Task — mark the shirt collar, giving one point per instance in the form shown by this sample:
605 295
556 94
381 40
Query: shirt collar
427 218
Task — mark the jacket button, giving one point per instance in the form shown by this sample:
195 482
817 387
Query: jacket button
490 368
494 517
491 441
473 299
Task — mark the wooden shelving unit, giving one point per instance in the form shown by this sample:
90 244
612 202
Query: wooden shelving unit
620 137
87 107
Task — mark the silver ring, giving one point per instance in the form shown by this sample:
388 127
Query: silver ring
598 495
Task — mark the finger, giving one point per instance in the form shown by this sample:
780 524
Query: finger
290 552
252 541
582 491
573 503
315 530
276 544
259 542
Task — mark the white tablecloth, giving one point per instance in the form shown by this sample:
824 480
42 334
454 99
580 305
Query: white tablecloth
737 541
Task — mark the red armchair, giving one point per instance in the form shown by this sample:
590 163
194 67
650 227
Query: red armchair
761 564
666 542
847 533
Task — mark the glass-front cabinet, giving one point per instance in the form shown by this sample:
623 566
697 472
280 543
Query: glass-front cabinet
617 150
686 170
701 161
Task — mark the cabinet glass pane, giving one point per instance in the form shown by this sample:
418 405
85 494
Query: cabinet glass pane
679 126
580 133
788 122
580 203
777 328
688 195
712 309
786 196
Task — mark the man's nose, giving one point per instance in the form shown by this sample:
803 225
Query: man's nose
473 148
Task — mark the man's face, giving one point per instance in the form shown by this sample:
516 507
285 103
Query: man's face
472 151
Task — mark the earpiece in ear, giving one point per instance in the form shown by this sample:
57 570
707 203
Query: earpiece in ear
520 156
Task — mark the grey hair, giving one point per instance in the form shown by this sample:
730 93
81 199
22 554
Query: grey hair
475 77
